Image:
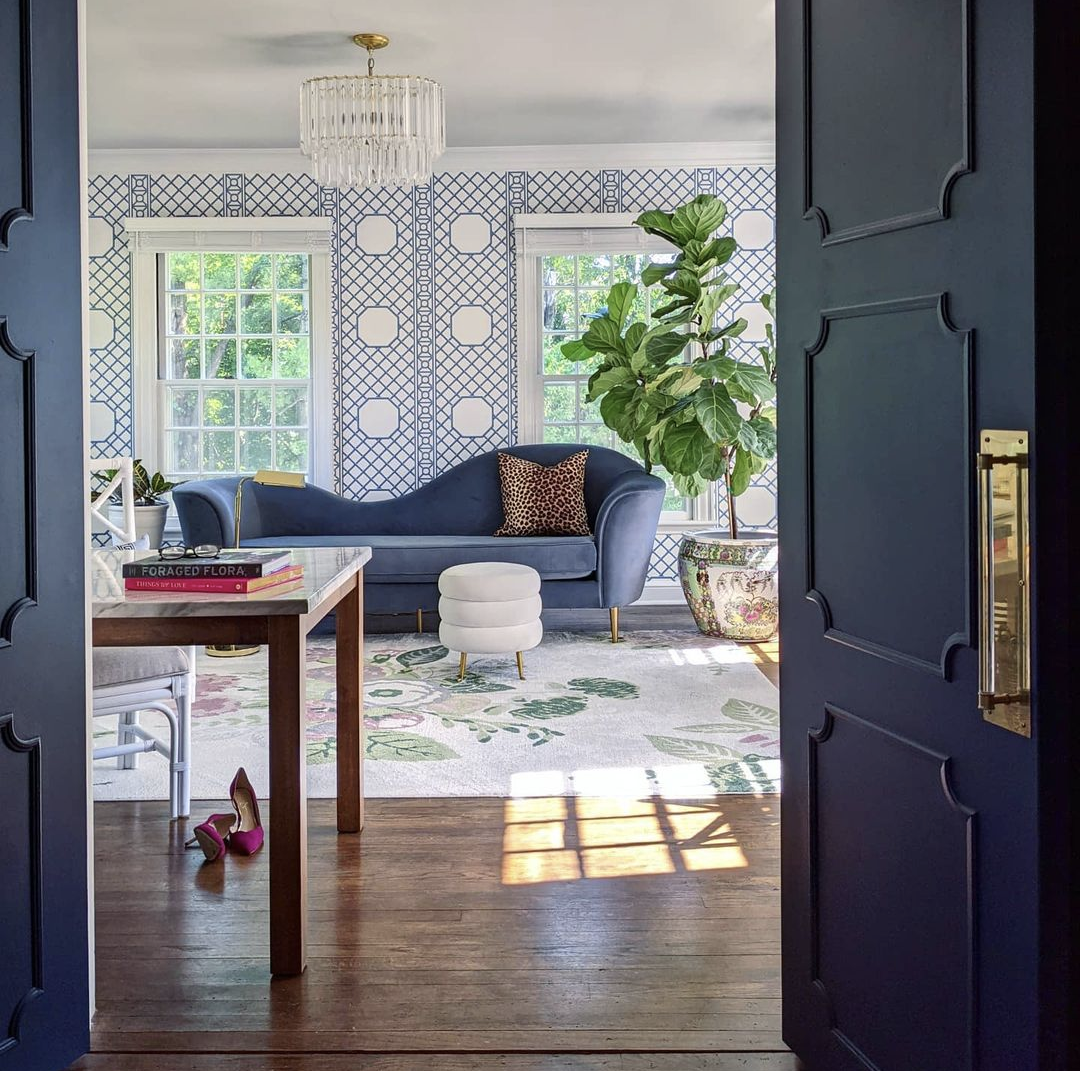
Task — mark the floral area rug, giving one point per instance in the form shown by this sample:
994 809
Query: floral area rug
663 713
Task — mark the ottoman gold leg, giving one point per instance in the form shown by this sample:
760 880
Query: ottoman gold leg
419 620
521 665
614 614
461 666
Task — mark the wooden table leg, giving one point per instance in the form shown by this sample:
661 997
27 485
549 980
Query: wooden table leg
350 710
288 796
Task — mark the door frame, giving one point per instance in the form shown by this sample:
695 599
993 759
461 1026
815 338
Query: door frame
1057 162
1057 235
84 242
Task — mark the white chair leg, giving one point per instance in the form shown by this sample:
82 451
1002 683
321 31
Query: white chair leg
124 736
181 807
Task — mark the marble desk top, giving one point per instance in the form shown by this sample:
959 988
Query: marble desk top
324 569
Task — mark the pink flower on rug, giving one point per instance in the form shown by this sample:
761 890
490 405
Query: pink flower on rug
212 708
215 685
762 741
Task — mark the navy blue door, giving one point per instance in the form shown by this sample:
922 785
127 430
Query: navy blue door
43 877
912 233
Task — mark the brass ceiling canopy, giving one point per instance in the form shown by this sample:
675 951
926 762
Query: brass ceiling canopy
371 41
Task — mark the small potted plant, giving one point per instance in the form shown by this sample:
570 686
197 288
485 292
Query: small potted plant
150 509
676 390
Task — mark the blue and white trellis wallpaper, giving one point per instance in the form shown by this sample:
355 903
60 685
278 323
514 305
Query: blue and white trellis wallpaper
424 302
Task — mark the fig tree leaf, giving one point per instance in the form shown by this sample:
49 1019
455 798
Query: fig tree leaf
654 272
620 301
683 448
750 383
741 472
662 348
656 222
601 382
576 350
698 219
717 413
603 336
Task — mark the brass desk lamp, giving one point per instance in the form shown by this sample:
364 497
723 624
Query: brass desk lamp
270 478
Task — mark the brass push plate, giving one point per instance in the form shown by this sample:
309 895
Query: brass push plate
1004 586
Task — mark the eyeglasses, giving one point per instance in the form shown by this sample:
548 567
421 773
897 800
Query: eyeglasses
203 550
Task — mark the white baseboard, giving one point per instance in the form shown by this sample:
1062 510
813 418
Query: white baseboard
662 593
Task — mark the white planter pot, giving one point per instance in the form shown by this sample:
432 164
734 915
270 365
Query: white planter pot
730 584
149 521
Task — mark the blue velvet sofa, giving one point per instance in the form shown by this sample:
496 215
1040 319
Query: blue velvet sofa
447 522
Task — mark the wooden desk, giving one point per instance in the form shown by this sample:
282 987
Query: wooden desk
333 579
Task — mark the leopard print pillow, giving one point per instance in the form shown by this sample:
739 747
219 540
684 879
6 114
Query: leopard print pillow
543 500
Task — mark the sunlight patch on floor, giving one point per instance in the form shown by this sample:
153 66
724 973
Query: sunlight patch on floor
566 838
708 656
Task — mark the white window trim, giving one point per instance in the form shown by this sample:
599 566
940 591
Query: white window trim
570 233
301 234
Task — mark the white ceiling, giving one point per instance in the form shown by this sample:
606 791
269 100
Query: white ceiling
206 74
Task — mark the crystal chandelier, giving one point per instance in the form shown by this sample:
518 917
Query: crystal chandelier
370 131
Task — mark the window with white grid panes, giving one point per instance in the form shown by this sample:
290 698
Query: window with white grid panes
234 364
573 290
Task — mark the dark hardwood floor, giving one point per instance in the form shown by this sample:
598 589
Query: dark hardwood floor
496 930
452 935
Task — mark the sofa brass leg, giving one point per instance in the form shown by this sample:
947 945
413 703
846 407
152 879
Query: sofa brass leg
614 614
419 621
461 666
521 665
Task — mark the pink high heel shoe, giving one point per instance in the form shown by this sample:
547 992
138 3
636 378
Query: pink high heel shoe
210 836
247 838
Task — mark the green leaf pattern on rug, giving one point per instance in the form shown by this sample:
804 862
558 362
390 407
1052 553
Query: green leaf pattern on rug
320 752
753 715
405 747
486 728
543 709
707 727
475 684
604 687
746 775
691 750
421 656
503 718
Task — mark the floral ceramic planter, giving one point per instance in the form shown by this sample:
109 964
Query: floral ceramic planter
730 584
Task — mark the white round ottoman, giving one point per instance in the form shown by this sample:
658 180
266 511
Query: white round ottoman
490 608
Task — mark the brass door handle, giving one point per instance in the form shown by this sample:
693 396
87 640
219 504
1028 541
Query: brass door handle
1004 588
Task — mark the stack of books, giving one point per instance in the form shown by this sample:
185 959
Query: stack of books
232 572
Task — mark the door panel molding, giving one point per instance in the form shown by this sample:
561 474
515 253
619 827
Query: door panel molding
817 740
961 165
31 749
961 635
21 397
17 170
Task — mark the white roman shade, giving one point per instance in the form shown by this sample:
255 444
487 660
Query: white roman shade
184 234
567 233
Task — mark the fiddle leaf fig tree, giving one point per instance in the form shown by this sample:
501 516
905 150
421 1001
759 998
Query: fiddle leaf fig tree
673 387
